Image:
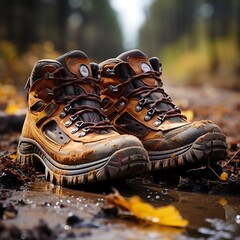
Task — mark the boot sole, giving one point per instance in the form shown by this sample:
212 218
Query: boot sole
129 161
209 147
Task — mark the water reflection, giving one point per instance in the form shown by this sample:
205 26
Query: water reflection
232 210
210 216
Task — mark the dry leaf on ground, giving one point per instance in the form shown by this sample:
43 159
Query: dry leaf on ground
167 215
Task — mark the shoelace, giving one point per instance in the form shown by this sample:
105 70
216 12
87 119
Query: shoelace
77 111
144 100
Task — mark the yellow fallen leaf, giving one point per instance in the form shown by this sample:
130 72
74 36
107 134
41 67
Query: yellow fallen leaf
224 176
167 215
13 156
189 114
222 202
15 106
12 108
7 91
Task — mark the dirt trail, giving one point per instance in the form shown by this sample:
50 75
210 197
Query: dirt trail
31 208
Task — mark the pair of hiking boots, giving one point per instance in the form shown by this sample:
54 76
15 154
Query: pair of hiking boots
88 123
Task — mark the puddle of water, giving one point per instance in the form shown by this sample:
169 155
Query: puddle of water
210 217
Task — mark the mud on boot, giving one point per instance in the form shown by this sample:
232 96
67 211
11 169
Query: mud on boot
135 101
66 131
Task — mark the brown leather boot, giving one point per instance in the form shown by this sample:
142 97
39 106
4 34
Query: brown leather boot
134 100
66 130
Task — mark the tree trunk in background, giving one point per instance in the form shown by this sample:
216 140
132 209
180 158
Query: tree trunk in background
62 17
212 34
236 23
19 22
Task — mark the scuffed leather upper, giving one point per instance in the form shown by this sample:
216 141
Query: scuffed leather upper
134 100
61 94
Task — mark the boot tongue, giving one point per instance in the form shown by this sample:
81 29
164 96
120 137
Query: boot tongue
140 63
77 65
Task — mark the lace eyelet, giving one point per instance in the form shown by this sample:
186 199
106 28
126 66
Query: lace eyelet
49 75
73 118
140 105
142 101
79 124
68 123
65 111
67 108
113 88
121 104
86 129
151 112
176 108
159 121
49 92
63 115
138 108
147 118
169 98
74 130
84 132
110 71
77 127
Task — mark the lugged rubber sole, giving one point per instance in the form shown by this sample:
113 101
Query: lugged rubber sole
129 161
211 146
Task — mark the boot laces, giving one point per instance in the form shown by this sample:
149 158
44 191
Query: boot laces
76 110
144 92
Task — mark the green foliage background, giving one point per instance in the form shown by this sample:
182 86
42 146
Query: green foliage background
198 41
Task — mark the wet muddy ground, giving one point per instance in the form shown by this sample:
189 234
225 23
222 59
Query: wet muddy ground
32 208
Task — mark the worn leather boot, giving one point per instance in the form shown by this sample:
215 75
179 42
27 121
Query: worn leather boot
134 100
66 130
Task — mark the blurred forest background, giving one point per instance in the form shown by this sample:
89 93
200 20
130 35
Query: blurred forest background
198 41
